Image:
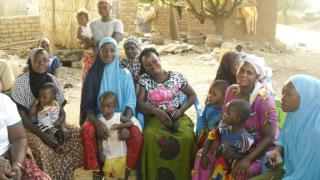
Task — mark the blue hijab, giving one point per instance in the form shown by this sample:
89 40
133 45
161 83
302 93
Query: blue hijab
301 131
107 77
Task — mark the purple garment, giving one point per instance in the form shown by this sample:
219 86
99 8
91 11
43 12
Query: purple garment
263 111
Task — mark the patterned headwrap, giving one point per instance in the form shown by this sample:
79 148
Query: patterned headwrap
132 39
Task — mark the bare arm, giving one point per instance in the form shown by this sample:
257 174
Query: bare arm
117 36
62 118
18 141
191 97
33 109
29 125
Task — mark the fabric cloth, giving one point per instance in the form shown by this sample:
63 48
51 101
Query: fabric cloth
115 167
107 77
113 147
239 141
132 39
263 111
210 120
165 154
58 165
9 116
22 95
6 75
90 148
48 116
250 13
88 59
225 67
86 31
301 150
164 95
134 66
101 29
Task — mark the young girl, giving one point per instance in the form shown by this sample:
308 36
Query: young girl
211 162
118 158
212 111
54 62
49 116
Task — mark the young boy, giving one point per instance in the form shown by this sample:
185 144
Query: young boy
49 115
212 112
117 157
231 135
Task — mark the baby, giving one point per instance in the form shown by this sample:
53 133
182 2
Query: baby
118 163
50 116
84 30
230 136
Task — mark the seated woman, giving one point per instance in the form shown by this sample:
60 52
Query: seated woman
131 62
168 139
296 144
13 145
107 75
8 73
54 62
228 67
24 92
262 124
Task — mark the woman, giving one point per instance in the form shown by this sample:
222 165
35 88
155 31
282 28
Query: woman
24 93
54 63
228 67
262 124
103 27
296 143
13 145
105 75
168 139
8 73
131 62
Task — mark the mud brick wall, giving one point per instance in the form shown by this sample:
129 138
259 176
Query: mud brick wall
128 13
19 28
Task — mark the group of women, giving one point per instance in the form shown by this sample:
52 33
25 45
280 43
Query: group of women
169 145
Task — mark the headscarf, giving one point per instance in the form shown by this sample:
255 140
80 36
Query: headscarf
105 1
37 79
264 72
132 39
301 130
224 70
107 77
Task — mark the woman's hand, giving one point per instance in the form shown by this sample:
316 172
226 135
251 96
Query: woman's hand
6 174
17 169
176 114
275 158
49 140
241 167
101 129
124 134
164 118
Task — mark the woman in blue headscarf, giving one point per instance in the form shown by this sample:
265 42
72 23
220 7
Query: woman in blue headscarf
297 143
105 75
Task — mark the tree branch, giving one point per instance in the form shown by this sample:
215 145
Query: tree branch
194 11
236 3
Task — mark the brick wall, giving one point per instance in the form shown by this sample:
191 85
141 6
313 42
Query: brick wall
266 24
19 28
127 14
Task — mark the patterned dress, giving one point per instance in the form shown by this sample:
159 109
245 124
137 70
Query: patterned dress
166 154
57 166
134 66
263 111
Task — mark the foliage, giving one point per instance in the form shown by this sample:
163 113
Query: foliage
284 5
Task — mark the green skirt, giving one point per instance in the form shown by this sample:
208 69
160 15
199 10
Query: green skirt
168 155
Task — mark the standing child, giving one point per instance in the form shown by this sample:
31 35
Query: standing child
49 116
212 111
231 136
118 158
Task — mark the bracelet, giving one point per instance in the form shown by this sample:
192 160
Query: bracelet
18 164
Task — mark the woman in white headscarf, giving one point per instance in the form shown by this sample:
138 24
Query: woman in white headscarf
262 124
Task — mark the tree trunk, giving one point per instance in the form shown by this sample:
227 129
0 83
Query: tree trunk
174 29
219 24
